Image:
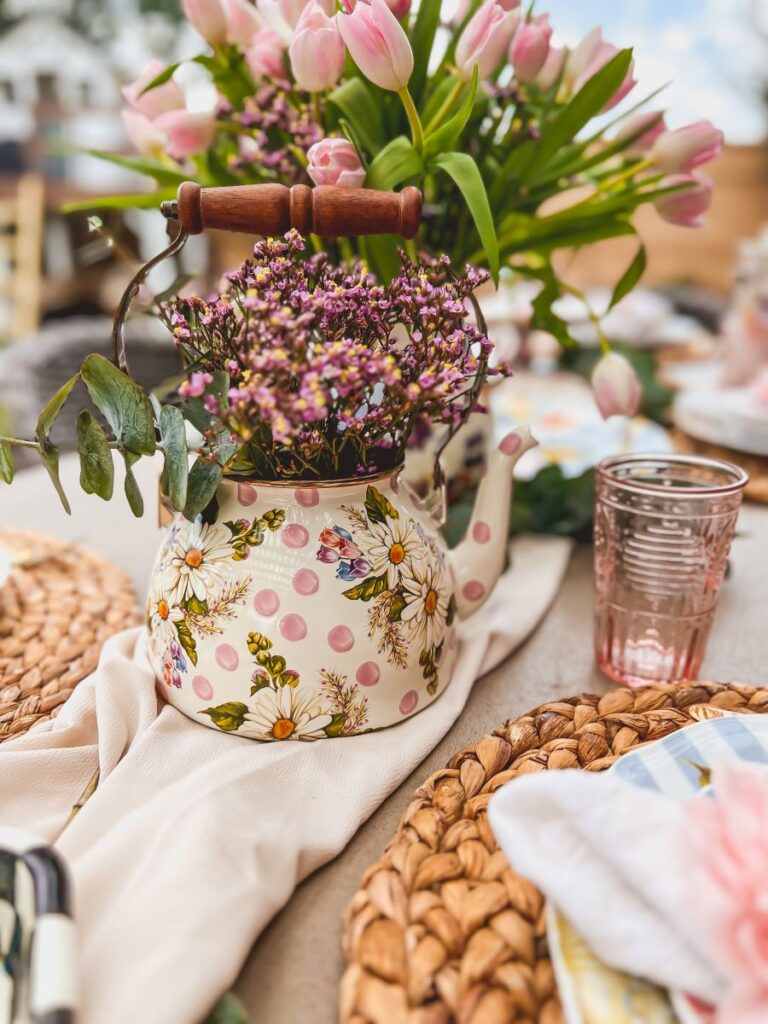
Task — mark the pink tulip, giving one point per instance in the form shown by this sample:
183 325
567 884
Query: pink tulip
282 16
264 56
592 54
378 45
530 48
208 18
143 133
317 50
187 133
685 148
646 129
485 39
727 849
551 68
616 387
687 206
335 162
157 101
243 22
400 8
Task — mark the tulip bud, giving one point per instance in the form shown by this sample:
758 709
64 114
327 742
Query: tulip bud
317 50
335 162
378 45
530 48
187 133
282 16
591 54
157 101
400 8
551 68
208 18
243 22
485 39
143 133
616 387
264 56
685 148
686 207
643 129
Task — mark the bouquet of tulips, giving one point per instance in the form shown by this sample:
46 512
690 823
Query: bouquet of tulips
481 111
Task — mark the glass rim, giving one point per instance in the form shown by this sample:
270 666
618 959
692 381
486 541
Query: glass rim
739 477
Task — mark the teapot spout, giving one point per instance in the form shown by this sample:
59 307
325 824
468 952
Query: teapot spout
478 560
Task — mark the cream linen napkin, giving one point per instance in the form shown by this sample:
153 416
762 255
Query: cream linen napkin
193 839
612 858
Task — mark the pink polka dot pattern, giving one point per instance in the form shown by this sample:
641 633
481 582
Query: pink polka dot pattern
368 673
341 638
293 627
306 582
473 590
409 702
481 532
202 688
294 536
266 602
246 494
227 657
510 444
307 497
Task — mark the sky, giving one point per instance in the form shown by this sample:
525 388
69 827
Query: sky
711 50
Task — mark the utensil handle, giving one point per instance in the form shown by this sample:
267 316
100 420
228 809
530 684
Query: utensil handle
327 210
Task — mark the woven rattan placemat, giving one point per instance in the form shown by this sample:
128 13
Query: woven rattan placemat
442 929
57 608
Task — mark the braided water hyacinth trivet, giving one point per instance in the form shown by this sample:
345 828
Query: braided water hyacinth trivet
442 929
57 609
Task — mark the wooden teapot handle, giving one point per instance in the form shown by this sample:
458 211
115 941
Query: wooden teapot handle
327 210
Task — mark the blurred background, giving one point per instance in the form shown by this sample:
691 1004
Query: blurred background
700 323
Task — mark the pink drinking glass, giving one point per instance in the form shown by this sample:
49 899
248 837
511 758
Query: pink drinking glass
663 529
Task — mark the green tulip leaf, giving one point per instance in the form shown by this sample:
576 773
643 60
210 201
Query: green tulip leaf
173 443
133 201
466 176
446 135
160 79
422 42
161 173
394 164
97 471
630 277
356 102
124 405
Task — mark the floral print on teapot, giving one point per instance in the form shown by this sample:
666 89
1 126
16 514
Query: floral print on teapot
304 612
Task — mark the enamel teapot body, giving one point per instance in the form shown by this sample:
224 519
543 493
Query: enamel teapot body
315 610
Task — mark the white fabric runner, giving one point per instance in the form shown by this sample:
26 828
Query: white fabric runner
193 839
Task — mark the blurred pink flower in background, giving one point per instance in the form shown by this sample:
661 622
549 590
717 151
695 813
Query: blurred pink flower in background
317 50
683 149
485 39
615 386
378 44
686 207
728 840
208 18
264 56
335 162
589 56
243 22
282 16
530 47
143 133
400 8
646 128
552 67
168 96
187 133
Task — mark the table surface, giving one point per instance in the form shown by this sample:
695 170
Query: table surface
555 662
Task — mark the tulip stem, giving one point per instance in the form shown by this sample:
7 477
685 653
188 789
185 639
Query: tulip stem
414 121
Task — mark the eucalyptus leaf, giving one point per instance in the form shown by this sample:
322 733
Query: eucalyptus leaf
203 480
630 277
466 176
97 471
49 456
394 164
50 413
173 442
124 405
132 490
6 462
